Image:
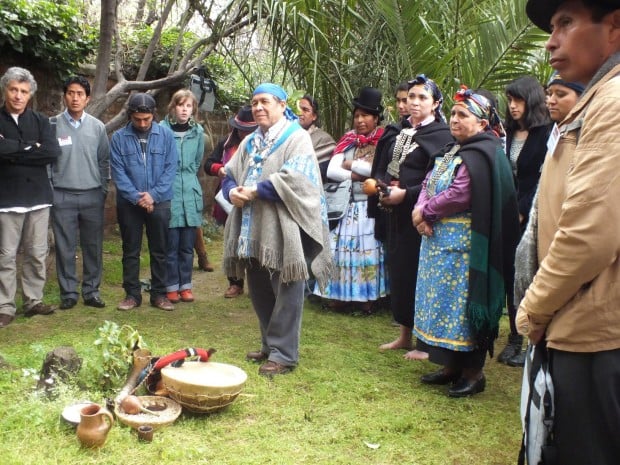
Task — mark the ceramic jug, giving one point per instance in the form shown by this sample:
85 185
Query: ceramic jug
93 428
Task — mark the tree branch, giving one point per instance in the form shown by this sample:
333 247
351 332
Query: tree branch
148 55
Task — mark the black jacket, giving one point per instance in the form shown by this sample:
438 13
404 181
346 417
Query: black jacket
430 139
24 180
529 165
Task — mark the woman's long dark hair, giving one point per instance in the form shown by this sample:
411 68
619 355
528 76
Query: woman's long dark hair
234 139
527 88
315 108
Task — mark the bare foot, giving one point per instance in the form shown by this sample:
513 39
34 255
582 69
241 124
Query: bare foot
416 355
395 345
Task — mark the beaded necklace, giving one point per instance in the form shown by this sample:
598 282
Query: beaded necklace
440 169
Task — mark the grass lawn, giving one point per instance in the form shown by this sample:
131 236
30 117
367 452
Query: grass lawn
346 403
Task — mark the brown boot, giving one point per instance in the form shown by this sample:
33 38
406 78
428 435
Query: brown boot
203 262
234 290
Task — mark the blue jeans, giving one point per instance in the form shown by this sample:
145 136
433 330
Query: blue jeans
180 258
132 221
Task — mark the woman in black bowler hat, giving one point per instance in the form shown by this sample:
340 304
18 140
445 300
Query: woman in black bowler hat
360 259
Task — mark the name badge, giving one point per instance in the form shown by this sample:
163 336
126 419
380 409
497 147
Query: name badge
553 140
62 141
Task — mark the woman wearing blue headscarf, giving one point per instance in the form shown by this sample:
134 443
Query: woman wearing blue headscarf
278 225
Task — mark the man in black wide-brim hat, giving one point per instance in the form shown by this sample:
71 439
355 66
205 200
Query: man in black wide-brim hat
573 300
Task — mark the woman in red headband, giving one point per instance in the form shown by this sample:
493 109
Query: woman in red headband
466 214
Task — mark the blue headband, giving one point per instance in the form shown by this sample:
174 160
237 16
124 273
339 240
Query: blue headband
557 79
273 89
278 92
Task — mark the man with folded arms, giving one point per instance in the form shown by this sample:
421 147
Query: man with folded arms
27 147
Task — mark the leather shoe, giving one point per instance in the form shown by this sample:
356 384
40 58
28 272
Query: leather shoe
128 303
67 303
440 377
515 341
257 356
5 320
233 291
517 361
272 368
39 309
94 301
465 387
162 303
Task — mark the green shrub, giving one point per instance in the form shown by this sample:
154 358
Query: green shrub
116 345
52 33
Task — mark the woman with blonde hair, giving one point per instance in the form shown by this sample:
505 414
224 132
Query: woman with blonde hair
186 206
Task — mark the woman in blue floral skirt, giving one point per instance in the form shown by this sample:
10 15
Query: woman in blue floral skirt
467 215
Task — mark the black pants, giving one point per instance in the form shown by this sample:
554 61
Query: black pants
587 407
132 221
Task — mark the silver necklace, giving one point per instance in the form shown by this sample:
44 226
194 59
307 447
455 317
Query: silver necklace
404 145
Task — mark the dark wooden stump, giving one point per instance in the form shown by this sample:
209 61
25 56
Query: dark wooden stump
4 365
61 364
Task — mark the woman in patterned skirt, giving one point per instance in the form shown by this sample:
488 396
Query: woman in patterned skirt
467 215
358 255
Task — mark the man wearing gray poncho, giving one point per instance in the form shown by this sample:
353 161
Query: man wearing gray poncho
278 225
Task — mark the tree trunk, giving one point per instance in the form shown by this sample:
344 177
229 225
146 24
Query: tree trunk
148 55
140 11
104 53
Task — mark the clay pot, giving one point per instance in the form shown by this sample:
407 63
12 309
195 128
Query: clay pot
145 433
93 428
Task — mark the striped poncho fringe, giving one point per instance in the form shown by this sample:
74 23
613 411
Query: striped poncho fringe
289 235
